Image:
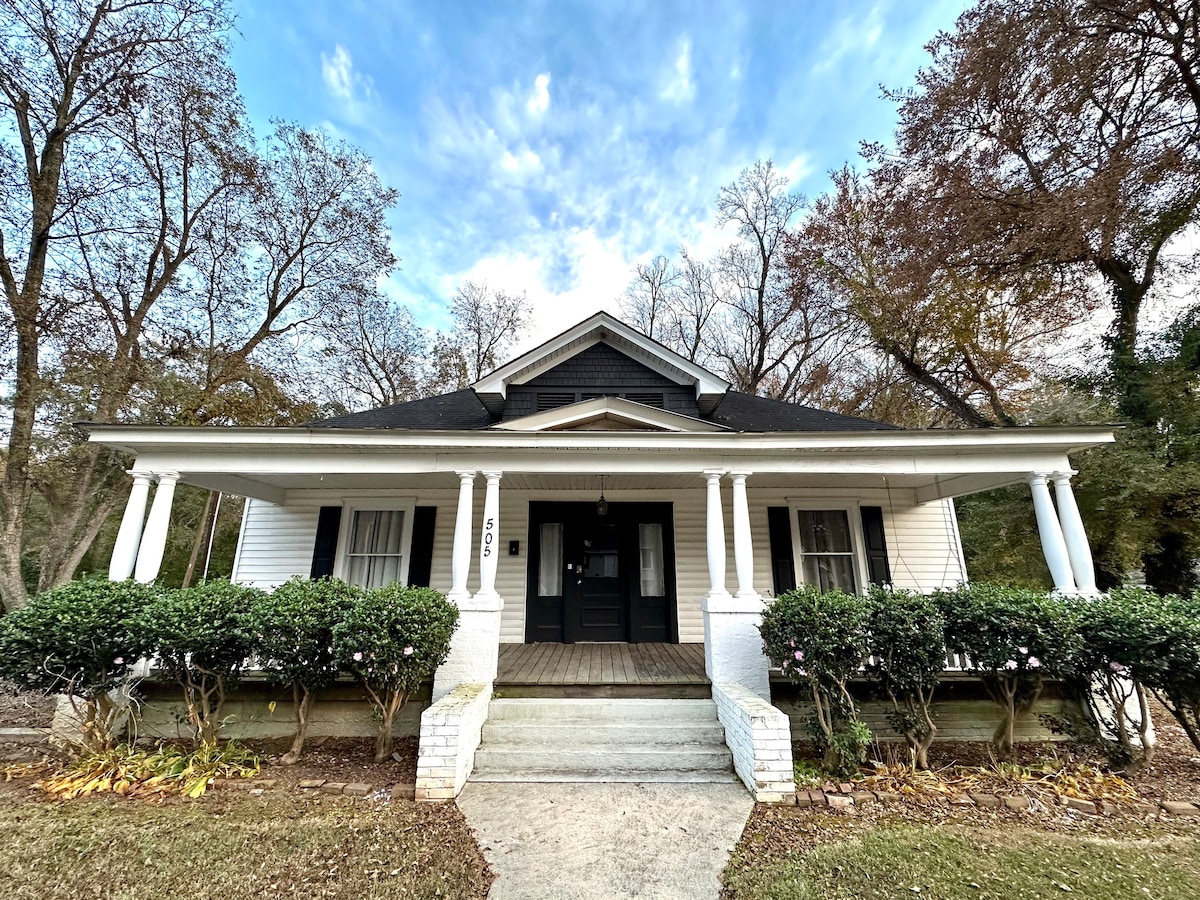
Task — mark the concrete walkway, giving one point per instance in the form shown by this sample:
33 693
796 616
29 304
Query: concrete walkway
661 841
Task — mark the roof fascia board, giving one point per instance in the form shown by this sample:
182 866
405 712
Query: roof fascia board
132 437
612 407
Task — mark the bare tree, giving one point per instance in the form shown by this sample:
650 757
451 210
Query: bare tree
649 299
486 323
379 354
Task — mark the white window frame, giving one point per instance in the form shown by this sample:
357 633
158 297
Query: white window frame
406 506
858 552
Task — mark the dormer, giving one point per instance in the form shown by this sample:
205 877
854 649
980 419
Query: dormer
599 357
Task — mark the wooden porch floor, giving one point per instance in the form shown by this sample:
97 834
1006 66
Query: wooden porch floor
601 664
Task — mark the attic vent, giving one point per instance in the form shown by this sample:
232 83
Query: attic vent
553 400
646 399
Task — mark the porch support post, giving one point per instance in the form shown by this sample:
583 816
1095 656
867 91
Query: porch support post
732 644
743 546
1078 550
1053 544
154 538
475 647
460 559
129 536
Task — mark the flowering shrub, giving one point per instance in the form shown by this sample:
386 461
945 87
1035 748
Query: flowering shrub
294 637
907 644
78 640
202 637
820 641
391 640
1014 639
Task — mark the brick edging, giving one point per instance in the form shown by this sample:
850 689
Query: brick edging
845 799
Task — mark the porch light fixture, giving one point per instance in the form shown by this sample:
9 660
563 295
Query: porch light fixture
602 504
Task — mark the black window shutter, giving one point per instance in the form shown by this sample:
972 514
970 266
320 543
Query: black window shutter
420 565
783 565
878 569
329 522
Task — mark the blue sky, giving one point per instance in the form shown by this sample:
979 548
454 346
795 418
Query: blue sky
547 147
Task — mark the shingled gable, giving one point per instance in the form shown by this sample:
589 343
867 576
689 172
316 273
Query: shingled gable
601 357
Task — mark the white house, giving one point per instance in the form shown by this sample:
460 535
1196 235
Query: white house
634 511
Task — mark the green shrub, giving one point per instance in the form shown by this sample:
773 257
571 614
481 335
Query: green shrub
79 640
203 637
391 640
820 641
907 645
1175 679
295 625
1124 647
1014 640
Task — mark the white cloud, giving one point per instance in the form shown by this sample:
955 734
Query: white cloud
680 88
539 100
338 72
521 161
852 34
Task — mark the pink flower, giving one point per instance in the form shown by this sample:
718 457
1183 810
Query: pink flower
1034 662
1116 667
799 655
118 661
791 643
408 651
358 657
1010 665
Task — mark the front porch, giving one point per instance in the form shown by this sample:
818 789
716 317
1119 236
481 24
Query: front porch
617 665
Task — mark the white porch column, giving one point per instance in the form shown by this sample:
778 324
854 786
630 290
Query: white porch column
489 542
129 536
732 643
460 558
1078 550
475 647
715 535
154 537
1053 545
743 543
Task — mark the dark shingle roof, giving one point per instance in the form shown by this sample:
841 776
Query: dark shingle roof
746 412
462 411
458 411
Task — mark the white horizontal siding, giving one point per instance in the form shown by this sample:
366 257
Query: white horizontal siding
276 543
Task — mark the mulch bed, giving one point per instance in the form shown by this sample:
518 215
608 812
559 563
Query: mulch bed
19 709
338 759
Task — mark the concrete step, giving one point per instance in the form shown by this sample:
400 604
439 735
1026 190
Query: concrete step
602 760
573 733
558 739
615 711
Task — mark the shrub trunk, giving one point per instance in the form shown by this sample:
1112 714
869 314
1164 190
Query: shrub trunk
302 700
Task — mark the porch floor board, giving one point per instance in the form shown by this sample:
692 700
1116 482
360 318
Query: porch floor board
601 664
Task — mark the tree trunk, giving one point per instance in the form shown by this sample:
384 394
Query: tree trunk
303 698
201 541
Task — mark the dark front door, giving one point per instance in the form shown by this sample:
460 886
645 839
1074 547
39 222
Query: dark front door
594 597
601 578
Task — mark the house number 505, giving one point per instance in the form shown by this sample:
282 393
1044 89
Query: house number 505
489 536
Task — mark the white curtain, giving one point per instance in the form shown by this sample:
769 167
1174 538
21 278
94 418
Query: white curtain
650 545
550 560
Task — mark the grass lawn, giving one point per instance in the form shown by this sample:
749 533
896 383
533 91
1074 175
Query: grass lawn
232 845
800 854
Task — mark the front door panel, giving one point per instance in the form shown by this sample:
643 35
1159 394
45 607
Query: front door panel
597 606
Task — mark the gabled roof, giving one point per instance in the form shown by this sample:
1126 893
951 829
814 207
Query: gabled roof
493 387
457 411
746 412
608 413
